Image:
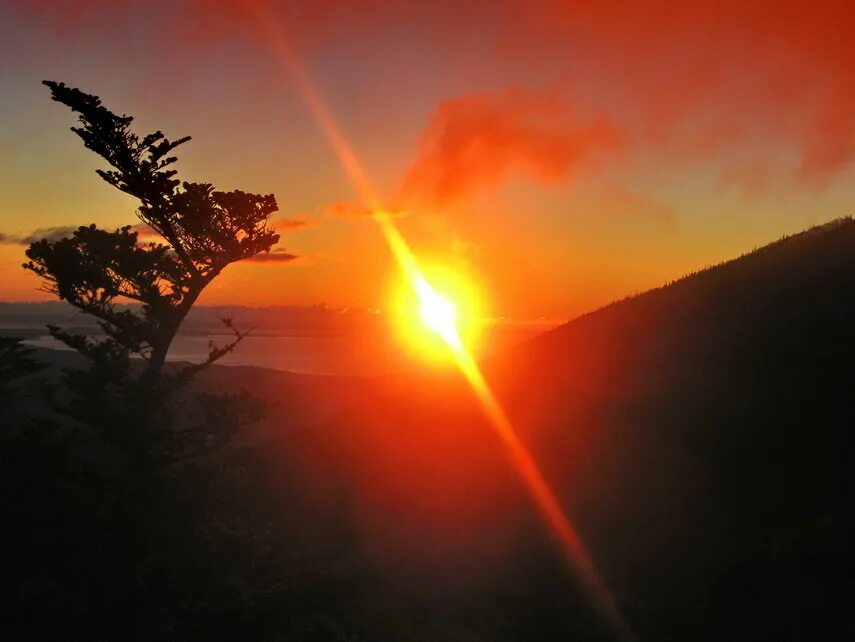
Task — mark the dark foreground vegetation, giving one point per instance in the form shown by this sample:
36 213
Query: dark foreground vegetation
699 435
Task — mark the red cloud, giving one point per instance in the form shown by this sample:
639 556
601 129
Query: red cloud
282 224
708 74
692 79
478 141
276 255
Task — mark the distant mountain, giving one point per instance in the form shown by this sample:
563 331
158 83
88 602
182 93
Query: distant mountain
700 436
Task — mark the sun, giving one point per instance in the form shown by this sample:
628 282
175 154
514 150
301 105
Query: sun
438 312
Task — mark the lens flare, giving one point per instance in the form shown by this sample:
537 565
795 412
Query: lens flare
434 305
439 314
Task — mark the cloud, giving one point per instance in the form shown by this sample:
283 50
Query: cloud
51 234
690 79
276 255
477 141
282 224
707 77
343 209
280 254
830 144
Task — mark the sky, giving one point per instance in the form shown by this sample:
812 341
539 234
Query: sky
559 154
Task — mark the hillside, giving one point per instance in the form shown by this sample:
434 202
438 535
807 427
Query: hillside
700 436
706 425
791 286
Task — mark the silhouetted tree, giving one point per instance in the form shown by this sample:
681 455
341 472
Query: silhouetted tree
16 362
93 487
100 271
205 230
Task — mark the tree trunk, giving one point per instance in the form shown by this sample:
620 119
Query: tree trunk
159 352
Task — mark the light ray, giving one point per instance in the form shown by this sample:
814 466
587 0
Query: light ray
441 320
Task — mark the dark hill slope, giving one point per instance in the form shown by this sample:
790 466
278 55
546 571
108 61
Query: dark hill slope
700 437
704 434
787 298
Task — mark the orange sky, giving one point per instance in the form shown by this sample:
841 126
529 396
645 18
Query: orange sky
566 153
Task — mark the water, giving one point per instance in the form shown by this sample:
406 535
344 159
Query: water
310 355
365 354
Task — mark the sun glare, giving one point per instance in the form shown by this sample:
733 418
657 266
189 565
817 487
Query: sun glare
438 312
438 316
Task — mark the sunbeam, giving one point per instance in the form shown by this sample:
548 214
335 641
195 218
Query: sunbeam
438 314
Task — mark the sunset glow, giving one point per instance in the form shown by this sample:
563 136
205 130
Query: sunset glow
438 314
436 307
405 320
